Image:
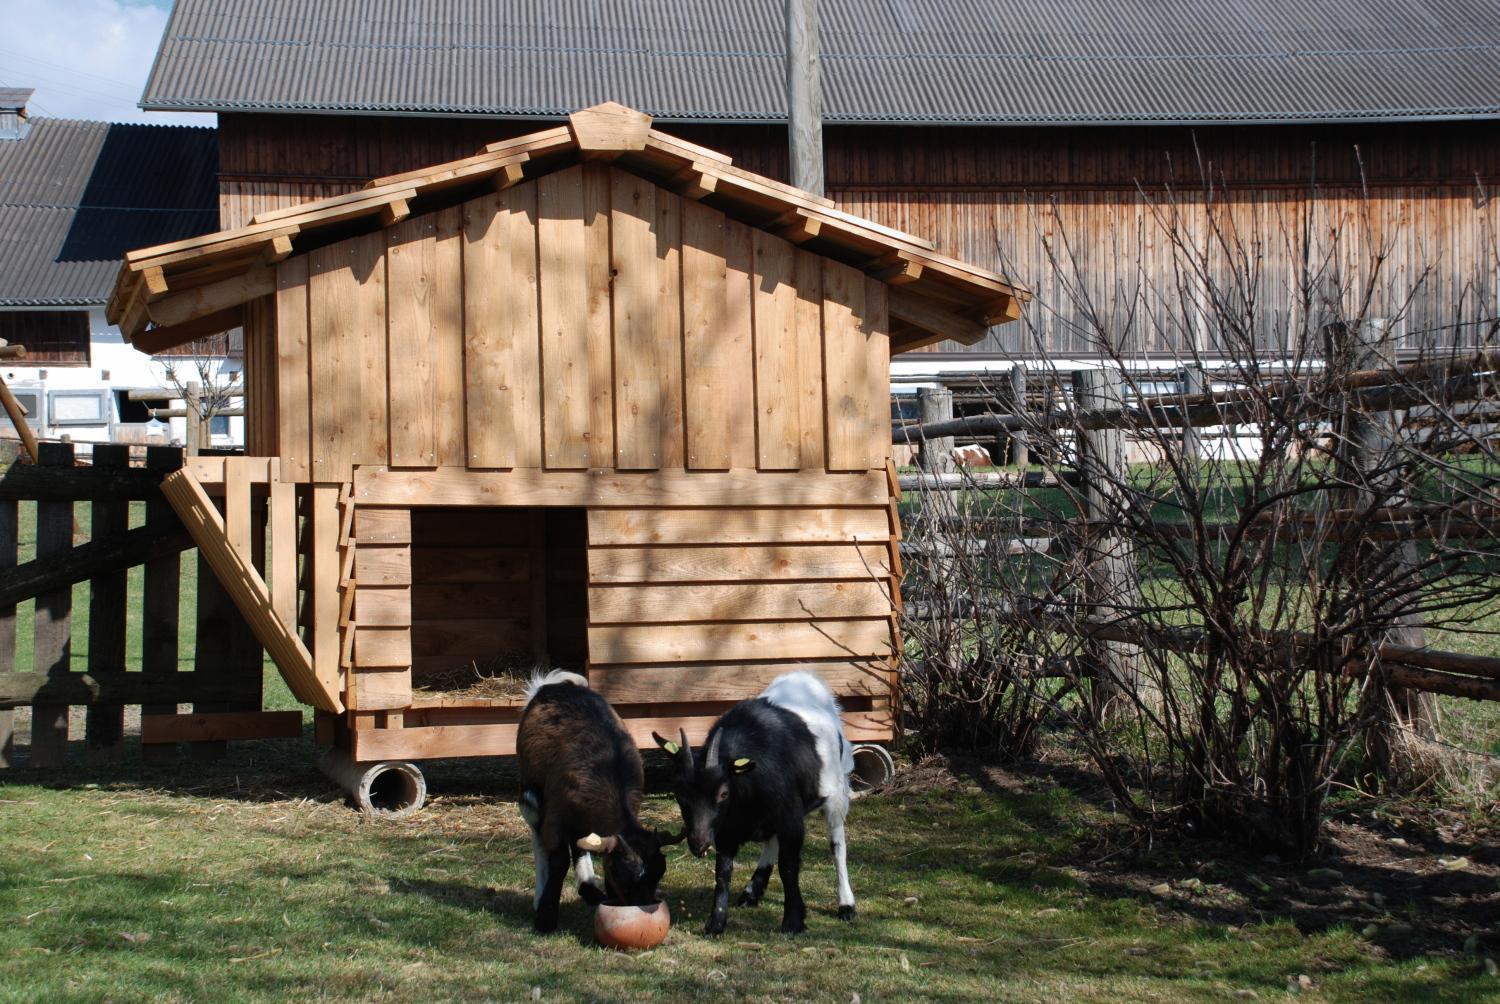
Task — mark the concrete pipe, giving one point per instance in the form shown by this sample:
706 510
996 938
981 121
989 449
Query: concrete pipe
873 768
387 788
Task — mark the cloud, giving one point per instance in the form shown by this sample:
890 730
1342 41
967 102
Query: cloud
87 59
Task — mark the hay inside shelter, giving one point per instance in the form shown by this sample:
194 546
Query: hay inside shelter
498 678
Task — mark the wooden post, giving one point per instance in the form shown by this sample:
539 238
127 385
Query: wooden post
1370 438
937 406
105 723
804 95
52 649
1111 586
17 415
159 606
214 653
9 537
1192 442
192 396
1020 442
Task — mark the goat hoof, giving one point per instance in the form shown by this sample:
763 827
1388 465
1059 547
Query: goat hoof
792 927
714 927
591 893
544 926
846 912
748 898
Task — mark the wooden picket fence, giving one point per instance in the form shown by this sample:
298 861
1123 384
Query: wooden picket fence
223 678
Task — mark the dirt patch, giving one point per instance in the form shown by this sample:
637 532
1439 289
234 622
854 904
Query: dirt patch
1408 878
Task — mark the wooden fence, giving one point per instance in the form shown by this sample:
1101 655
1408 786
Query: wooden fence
1098 416
193 646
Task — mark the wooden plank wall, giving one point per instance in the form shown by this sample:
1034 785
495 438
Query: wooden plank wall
712 604
586 320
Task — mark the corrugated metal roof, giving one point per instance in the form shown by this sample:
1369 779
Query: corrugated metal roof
884 61
75 196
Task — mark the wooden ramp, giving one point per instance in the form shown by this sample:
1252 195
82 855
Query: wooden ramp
245 585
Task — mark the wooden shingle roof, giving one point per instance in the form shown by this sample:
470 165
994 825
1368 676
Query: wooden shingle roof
171 293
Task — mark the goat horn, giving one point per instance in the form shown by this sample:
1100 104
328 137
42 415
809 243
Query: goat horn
687 747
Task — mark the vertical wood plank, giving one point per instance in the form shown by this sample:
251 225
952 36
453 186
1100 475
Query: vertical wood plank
10 535
325 582
537 572
524 302
293 414
669 327
704 303
738 349
778 414
411 262
213 651
638 379
104 725
159 605
447 339
563 276
371 435
877 348
52 647
489 373
846 383
599 320
283 547
809 390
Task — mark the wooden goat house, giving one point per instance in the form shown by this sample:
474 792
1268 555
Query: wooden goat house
591 398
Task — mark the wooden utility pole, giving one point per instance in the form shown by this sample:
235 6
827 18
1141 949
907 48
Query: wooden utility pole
804 95
1020 441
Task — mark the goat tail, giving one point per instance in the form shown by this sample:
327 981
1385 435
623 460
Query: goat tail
545 678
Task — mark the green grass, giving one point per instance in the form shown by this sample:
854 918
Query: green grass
243 880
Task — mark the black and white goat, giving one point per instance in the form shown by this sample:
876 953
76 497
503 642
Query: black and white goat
580 777
766 764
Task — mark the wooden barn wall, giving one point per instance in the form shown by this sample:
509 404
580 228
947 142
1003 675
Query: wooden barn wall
585 320
995 196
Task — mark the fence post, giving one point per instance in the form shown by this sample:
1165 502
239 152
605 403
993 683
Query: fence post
214 654
1111 584
1020 442
937 406
52 648
9 537
1370 441
160 605
1192 441
105 723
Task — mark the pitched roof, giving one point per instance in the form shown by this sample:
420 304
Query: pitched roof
186 287
74 196
884 61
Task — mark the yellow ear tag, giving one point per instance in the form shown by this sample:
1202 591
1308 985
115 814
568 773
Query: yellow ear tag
671 748
742 763
594 841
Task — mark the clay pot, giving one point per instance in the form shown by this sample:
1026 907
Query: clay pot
632 927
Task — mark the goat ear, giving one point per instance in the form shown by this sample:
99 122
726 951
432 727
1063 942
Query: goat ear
665 839
597 844
743 765
666 743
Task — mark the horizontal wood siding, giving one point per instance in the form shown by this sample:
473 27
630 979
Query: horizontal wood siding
720 593
587 320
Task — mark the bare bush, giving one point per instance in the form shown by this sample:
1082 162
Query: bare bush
1223 600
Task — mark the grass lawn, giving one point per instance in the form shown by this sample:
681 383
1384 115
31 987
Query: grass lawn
246 879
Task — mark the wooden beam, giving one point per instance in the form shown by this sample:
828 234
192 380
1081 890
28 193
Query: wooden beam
895 269
17 690
395 212
451 486
796 226
220 726
693 182
204 301
511 173
85 561
932 317
12 352
17 413
169 336
248 589
279 249
154 283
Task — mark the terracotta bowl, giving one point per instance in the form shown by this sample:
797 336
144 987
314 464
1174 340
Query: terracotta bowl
632 927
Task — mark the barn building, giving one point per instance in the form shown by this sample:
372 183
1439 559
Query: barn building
988 126
591 397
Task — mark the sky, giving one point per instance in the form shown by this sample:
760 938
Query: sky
87 59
